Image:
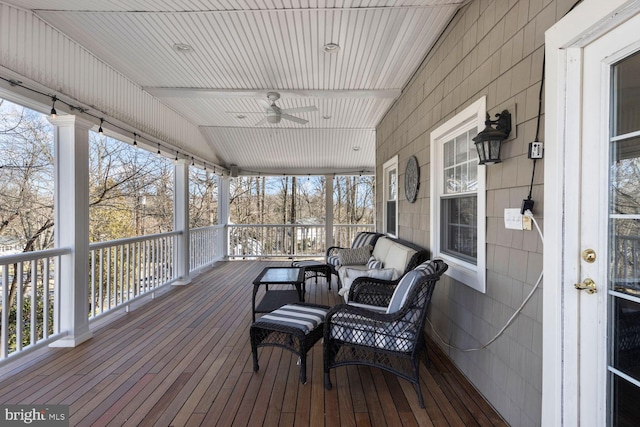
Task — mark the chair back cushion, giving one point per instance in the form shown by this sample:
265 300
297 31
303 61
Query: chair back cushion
381 249
364 239
406 285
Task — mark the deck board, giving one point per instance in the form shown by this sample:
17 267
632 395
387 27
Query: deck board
184 359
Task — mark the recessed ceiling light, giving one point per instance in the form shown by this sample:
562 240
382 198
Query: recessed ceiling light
241 116
182 48
326 117
356 148
331 48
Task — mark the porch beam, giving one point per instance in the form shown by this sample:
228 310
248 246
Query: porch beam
71 216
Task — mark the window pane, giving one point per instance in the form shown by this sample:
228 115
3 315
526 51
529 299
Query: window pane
460 165
391 217
461 149
472 183
449 181
448 153
392 185
459 227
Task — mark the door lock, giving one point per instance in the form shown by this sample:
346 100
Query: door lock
588 285
589 255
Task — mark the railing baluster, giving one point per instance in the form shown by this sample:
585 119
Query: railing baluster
34 304
100 270
19 306
45 296
109 275
5 311
120 251
92 272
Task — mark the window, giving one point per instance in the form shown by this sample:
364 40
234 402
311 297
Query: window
390 185
458 197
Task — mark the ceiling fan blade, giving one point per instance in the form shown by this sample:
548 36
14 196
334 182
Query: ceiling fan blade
261 122
300 109
294 119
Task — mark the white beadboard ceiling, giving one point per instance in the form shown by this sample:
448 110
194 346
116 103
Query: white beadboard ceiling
244 49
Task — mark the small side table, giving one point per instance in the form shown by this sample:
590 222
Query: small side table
274 299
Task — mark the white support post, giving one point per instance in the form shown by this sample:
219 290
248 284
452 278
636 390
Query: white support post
181 221
71 216
328 210
224 197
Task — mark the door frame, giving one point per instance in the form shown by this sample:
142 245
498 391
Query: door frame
565 42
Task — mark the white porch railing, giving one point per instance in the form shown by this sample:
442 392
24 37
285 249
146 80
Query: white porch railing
287 240
122 270
204 246
29 317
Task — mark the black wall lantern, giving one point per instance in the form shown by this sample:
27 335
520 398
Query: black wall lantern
489 140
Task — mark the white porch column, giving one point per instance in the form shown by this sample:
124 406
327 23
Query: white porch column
328 210
181 221
224 198
71 216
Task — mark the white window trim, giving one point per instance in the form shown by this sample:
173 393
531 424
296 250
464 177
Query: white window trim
471 275
389 165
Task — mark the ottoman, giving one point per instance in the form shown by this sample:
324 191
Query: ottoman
295 327
313 268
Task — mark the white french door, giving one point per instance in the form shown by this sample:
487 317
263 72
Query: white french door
608 337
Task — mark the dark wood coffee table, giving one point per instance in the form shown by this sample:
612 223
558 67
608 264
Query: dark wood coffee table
276 298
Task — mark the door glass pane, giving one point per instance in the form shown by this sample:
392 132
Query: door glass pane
626 411
625 176
624 244
626 93
626 326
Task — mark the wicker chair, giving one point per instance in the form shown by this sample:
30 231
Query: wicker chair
392 337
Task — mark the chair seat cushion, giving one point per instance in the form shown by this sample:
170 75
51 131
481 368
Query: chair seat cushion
297 316
349 274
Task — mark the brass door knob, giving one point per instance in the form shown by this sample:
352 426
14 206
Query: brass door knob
588 285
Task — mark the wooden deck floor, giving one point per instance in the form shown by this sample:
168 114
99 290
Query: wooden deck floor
185 360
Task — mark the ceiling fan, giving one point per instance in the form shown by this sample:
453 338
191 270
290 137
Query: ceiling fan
275 113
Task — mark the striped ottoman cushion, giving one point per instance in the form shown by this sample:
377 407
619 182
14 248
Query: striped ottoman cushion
297 316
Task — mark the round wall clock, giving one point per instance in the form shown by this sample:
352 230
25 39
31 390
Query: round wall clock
411 179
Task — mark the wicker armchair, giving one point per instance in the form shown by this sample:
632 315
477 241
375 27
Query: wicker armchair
392 337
